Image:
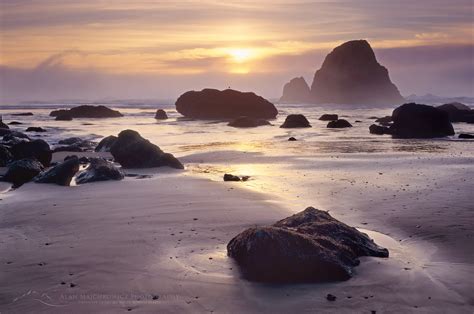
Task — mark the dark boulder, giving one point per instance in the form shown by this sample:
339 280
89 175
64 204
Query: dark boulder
296 91
35 129
339 124
226 104
12 138
15 123
296 121
231 177
458 112
88 111
378 129
292 139
420 121
99 170
23 114
70 141
350 74
105 144
63 115
329 117
161 114
248 122
133 151
21 171
38 149
5 156
310 246
466 136
60 174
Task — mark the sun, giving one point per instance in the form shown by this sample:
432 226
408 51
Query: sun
240 55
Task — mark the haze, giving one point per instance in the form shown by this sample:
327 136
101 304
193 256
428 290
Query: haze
159 49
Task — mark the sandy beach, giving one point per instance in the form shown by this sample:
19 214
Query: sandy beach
159 244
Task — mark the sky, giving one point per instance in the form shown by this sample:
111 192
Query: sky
144 49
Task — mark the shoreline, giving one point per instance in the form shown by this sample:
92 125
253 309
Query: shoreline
98 231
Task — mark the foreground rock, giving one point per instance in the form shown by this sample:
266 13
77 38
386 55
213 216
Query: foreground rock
37 149
248 122
350 74
296 121
11 138
133 151
296 91
329 117
231 177
60 174
339 124
458 112
310 246
161 115
22 171
99 170
106 143
5 156
466 136
226 104
420 121
87 111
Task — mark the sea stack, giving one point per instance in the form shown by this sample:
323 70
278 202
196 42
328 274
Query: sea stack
296 91
350 74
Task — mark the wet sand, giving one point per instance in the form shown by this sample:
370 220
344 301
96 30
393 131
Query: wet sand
159 244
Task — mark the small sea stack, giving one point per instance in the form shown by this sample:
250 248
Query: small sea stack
295 121
161 115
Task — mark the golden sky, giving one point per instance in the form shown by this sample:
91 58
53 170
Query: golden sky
192 37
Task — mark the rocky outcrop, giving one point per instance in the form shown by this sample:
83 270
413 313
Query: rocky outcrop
378 129
226 104
420 121
310 246
15 123
21 171
161 114
63 116
35 129
339 124
133 151
458 112
329 117
11 138
60 174
350 74
5 156
88 111
296 91
466 136
295 121
37 149
99 170
106 143
248 122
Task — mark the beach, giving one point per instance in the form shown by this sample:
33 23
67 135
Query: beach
159 243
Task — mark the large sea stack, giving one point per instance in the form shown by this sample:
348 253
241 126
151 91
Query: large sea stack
226 104
350 74
296 91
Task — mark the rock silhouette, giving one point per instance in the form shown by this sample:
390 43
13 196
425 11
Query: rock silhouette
133 151
38 149
310 246
296 91
458 112
21 171
87 111
161 114
420 121
5 156
295 121
106 143
248 122
99 170
226 104
339 124
60 174
329 117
